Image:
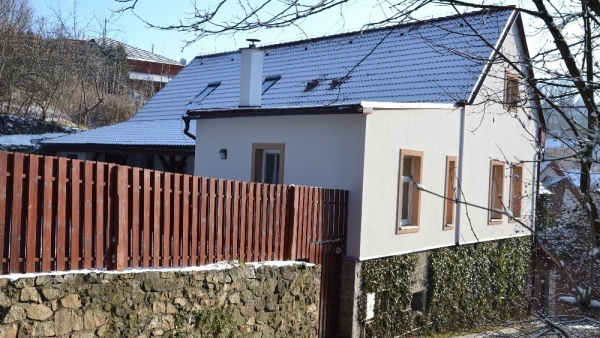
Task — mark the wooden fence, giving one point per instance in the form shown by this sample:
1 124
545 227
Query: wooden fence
61 214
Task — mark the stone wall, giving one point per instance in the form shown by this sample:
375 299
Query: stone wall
240 301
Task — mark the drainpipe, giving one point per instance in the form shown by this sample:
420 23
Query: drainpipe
186 130
461 151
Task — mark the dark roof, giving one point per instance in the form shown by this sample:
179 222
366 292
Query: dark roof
437 61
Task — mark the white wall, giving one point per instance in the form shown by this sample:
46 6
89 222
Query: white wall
491 133
436 133
494 133
325 151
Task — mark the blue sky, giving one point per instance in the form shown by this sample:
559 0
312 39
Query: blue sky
126 27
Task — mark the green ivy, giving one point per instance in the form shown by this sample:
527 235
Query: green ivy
469 285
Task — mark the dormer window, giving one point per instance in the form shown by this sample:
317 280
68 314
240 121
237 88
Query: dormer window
205 92
511 92
269 82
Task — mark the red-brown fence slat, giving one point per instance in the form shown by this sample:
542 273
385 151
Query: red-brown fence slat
271 223
228 225
344 223
167 220
47 214
185 221
32 214
75 249
194 223
256 253
146 220
243 223
110 221
88 212
212 198
204 200
279 203
157 218
250 225
176 230
16 228
122 231
61 217
264 224
235 221
306 221
219 227
134 211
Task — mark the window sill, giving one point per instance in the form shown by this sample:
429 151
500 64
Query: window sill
407 229
495 221
448 227
514 220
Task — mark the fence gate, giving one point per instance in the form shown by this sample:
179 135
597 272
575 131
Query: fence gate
320 224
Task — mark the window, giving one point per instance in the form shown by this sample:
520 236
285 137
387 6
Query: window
205 92
267 162
450 192
269 82
409 197
516 189
496 192
511 92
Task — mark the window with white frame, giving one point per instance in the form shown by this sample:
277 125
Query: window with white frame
409 197
267 162
496 205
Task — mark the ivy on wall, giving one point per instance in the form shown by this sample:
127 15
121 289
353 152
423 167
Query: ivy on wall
469 285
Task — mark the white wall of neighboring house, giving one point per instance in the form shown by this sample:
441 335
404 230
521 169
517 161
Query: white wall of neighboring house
494 133
320 150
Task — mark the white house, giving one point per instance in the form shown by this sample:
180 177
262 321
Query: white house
381 113
375 112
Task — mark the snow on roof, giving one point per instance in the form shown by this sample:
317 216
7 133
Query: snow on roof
436 61
135 53
574 176
149 77
25 141
132 133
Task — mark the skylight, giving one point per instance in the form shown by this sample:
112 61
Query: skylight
205 92
269 82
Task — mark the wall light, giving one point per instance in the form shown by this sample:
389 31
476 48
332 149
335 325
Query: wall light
223 154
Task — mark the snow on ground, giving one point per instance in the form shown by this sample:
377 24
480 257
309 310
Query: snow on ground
224 265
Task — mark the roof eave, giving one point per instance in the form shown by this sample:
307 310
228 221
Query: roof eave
279 111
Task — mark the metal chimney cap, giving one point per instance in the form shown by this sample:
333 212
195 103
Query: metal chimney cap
253 42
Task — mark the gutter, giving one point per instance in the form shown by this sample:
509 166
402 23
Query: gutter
186 129
279 111
459 190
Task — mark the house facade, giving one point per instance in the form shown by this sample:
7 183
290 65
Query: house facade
410 119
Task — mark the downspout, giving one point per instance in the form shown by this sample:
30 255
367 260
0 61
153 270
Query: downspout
186 129
461 151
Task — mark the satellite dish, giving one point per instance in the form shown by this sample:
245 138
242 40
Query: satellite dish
183 61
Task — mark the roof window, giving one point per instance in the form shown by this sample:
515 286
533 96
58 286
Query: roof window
269 82
335 83
310 85
205 92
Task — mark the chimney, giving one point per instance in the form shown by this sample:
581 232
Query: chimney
251 75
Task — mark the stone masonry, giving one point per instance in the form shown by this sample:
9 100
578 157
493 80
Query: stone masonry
264 301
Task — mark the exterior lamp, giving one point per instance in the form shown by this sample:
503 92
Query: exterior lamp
223 154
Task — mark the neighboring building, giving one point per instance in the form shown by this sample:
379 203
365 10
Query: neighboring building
380 113
146 140
147 70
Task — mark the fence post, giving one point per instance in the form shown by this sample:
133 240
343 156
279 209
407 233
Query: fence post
122 183
291 224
